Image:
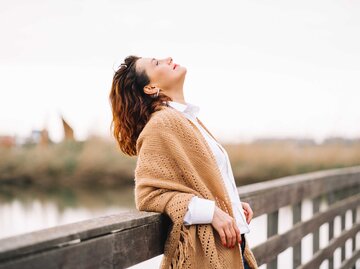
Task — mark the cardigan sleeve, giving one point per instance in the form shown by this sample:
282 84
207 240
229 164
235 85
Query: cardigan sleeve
200 211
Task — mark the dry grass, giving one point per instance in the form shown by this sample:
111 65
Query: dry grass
98 162
259 162
93 162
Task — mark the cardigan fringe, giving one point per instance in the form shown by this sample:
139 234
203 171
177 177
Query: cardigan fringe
182 250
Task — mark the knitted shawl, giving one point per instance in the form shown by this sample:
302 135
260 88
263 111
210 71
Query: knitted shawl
174 164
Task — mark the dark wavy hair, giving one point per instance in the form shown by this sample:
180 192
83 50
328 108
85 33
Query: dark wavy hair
131 106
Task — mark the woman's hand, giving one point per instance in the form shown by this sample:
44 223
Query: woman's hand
247 211
226 226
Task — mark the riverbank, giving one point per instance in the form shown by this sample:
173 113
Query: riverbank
99 163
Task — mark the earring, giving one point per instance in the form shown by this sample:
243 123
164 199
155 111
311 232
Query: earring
155 94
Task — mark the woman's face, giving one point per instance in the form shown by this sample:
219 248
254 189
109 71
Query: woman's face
163 73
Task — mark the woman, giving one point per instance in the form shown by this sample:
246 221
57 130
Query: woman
181 170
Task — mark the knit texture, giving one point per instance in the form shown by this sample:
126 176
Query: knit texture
174 164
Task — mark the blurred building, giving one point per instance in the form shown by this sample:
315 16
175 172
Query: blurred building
38 137
68 131
7 141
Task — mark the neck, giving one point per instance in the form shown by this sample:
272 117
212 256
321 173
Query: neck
177 95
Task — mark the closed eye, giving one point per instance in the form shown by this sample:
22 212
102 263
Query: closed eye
153 60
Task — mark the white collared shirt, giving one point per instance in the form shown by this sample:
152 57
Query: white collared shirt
201 211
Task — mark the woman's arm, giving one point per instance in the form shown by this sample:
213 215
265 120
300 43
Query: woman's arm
200 211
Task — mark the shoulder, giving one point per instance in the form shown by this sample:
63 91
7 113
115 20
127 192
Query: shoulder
164 125
166 118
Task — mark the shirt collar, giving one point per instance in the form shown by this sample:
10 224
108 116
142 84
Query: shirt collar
188 108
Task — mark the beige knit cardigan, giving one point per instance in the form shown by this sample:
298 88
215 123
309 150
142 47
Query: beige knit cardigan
174 164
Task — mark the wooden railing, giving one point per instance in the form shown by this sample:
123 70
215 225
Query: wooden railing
341 190
119 241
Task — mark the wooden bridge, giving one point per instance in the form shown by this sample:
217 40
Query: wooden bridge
119 241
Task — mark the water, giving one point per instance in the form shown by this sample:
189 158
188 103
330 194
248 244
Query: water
30 210
27 210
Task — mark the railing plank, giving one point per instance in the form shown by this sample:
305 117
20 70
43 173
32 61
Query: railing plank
293 189
115 250
62 235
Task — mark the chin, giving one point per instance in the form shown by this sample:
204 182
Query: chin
183 69
183 72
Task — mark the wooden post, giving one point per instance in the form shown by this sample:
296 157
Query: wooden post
272 229
316 233
354 216
296 209
330 199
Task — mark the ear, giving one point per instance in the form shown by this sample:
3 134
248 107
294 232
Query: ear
150 89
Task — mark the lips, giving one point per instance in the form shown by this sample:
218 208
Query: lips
175 65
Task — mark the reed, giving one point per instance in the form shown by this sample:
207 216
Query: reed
98 162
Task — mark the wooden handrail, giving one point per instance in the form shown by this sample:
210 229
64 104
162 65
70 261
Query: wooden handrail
110 241
293 189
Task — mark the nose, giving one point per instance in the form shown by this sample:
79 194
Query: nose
169 60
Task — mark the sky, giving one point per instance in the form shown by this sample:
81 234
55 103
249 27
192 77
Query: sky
255 68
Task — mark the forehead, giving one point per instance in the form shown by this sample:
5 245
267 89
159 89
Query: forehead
145 63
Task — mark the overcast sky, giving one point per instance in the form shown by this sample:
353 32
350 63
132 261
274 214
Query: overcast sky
255 68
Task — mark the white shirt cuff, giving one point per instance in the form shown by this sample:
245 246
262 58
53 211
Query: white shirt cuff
200 211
